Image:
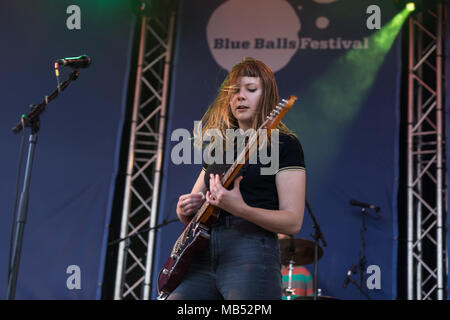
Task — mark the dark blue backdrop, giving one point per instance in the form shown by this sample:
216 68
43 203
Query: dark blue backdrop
348 155
351 146
77 150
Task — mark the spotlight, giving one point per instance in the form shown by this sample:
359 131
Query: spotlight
410 6
416 5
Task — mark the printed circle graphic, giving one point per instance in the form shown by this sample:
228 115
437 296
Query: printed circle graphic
322 22
266 30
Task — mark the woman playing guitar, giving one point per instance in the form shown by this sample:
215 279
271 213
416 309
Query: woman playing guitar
242 259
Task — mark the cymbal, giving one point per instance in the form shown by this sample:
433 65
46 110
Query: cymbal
301 251
318 298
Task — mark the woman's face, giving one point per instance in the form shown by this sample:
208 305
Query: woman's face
244 101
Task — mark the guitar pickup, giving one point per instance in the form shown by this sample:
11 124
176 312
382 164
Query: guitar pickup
200 227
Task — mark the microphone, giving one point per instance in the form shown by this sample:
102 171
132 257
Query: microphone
82 61
364 205
349 274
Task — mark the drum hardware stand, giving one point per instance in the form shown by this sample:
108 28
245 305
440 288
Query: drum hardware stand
316 236
289 291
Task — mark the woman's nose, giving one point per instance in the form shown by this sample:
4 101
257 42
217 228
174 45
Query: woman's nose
240 96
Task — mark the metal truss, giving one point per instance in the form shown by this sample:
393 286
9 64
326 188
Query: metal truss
135 255
426 194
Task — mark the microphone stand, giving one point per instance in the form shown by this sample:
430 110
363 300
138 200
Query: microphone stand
31 120
362 257
316 236
350 279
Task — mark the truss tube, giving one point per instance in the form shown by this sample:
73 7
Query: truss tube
419 66
439 173
120 270
157 179
410 222
425 213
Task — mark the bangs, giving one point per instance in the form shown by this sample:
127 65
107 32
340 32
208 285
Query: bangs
244 69
249 70
248 67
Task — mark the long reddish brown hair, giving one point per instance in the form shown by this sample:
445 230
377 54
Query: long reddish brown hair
219 115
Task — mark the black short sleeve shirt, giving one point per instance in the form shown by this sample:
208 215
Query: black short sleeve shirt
257 189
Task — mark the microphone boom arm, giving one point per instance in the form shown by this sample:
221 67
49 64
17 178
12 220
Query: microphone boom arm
38 109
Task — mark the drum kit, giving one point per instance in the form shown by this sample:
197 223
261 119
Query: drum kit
300 252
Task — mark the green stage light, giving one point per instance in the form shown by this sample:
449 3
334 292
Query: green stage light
410 6
338 99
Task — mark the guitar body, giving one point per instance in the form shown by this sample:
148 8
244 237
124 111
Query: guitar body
185 249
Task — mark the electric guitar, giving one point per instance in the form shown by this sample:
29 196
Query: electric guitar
196 233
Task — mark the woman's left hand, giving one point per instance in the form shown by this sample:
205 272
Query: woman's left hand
228 200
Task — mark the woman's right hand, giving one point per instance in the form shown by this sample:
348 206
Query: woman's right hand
188 204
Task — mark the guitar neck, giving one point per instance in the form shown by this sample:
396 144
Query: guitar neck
203 214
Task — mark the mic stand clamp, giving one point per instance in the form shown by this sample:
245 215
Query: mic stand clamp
33 116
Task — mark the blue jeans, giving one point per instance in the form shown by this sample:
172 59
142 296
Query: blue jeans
241 262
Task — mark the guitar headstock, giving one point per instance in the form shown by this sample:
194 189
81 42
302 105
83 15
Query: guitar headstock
278 113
